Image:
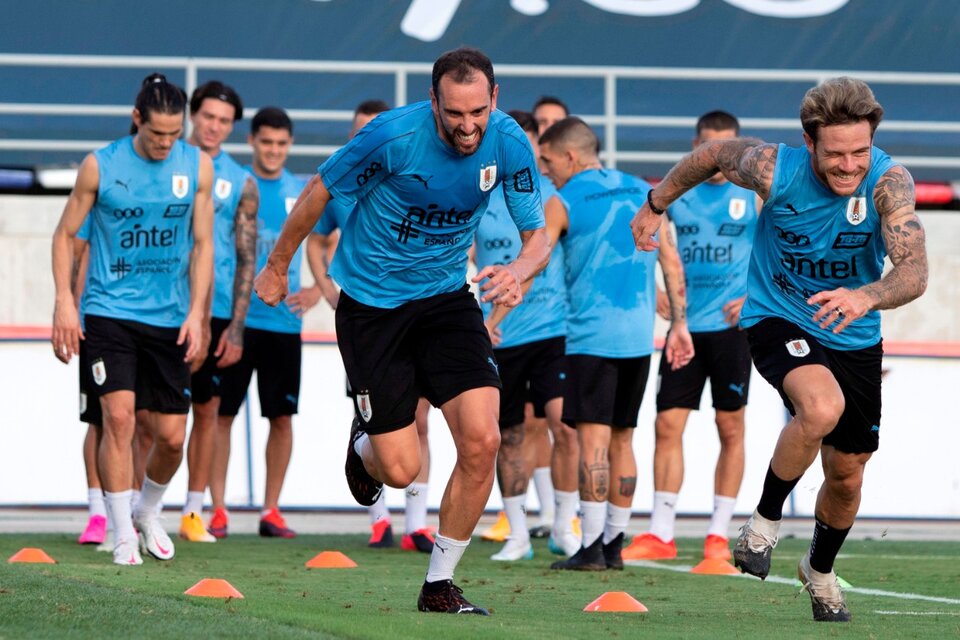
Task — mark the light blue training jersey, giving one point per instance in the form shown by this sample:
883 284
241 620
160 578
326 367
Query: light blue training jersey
228 181
610 283
141 235
277 197
419 201
715 224
809 240
543 312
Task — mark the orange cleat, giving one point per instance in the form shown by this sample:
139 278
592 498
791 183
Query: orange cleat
716 548
649 547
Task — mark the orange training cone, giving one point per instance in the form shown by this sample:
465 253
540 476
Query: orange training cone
616 601
213 588
715 567
330 560
29 554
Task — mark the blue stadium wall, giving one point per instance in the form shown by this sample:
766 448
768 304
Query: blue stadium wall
865 35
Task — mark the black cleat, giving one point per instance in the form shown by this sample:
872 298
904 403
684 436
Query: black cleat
445 597
826 596
586 559
755 545
364 487
611 553
540 531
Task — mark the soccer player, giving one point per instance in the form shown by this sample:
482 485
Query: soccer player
272 342
832 209
609 329
548 110
151 265
715 223
407 324
214 108
529 347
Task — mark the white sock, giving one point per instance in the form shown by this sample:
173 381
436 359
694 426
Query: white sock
617 520
517 517
120 513
151 497
664 516
134 500
544 484
95 502
415 510
378 510
445 557
194 503
566 503
722 514
358 443
594 517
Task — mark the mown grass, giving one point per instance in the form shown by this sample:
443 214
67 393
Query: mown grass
85 596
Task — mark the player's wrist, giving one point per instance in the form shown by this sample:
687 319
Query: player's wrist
653 207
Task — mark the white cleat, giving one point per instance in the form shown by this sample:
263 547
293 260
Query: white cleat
107 544
153 539
126 553
566 543
514 550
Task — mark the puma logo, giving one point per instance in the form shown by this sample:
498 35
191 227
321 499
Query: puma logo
424 181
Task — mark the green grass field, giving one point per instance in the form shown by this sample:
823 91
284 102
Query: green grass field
900 590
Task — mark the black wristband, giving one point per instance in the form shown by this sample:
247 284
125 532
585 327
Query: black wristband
657 210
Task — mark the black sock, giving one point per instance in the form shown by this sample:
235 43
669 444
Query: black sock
775 492
825 545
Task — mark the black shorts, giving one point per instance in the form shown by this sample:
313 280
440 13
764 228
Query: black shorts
125 355
276 358
724 357
779 347
90 411
206 381
534 372
604 390
436 347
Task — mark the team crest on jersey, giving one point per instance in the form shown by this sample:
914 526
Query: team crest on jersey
488 177
798 348
856 210
99 371
288 204
181 185
738 208
363 406
222 189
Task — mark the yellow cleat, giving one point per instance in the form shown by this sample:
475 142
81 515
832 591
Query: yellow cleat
499 530
192 529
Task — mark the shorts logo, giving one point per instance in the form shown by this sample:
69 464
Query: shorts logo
364 407
738 207
99 371
181 185
223 188
856 210
798 348
288 204
488 177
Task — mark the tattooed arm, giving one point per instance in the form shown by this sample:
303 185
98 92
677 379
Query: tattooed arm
230 348
679 346
744 161
905 242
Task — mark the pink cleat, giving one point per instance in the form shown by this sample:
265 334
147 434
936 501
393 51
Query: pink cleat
96 531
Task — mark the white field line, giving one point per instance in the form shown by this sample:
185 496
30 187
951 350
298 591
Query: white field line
648 564
843 556
918 613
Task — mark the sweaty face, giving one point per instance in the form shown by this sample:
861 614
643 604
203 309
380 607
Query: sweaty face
157 134
462 111
706 135
841 155
547 114
556 165
270 150
212 124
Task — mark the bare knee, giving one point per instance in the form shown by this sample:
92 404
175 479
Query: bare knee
730 429
819 415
